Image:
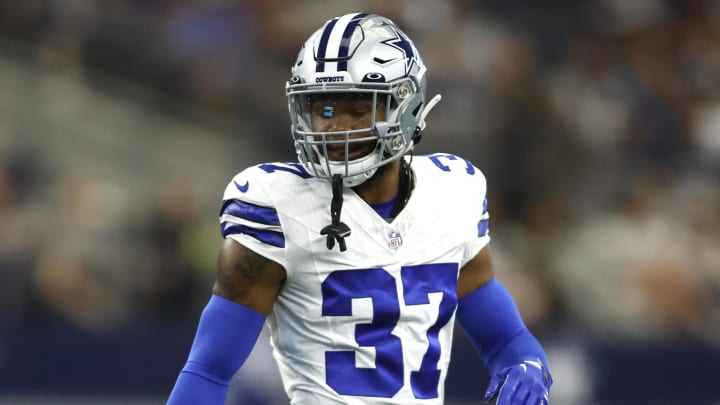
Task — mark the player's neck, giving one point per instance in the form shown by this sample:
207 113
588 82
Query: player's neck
381 187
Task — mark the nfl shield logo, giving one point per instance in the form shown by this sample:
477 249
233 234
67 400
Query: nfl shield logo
394 239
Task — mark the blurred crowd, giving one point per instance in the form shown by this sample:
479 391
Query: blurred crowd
596 123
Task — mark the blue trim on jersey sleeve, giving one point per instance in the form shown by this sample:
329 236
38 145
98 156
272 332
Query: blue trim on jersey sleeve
273 238
483 226
251 212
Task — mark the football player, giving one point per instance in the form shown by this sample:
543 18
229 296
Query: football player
361 256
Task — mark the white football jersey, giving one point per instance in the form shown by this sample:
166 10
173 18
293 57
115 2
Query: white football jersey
372 324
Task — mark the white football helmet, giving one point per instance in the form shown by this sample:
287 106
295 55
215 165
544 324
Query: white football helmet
368 55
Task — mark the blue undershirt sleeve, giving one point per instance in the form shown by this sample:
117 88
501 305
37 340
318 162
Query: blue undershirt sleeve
225 336
493 324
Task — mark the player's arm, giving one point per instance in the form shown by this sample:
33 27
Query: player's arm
247 278
517 363
245 289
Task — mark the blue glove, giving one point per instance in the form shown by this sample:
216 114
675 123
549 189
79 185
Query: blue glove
527 383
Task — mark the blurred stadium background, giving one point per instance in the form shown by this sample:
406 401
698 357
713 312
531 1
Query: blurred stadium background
597 124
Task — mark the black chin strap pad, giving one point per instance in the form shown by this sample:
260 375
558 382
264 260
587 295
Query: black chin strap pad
336 231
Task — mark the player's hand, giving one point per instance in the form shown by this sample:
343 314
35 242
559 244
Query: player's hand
523 384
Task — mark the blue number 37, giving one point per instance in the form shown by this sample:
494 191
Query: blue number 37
386 379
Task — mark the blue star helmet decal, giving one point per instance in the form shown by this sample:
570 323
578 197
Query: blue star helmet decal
402 43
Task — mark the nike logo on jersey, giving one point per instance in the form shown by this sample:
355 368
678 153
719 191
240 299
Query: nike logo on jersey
242 188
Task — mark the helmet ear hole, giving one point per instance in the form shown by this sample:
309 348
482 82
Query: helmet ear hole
417 110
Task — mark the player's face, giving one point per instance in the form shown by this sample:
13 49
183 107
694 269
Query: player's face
347 112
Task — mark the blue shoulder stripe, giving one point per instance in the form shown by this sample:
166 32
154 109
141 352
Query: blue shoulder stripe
251 212
273 238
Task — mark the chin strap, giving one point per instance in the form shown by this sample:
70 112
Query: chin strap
421 120
336 231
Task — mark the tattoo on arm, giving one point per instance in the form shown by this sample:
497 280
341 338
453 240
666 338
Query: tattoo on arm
248 278
238 270
251 268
